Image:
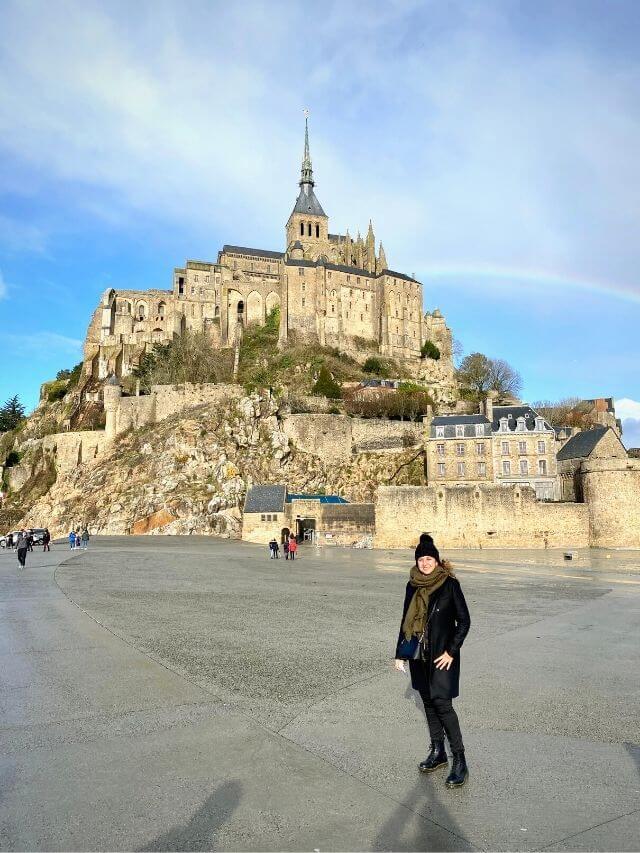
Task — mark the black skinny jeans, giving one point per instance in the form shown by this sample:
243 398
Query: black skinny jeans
442 718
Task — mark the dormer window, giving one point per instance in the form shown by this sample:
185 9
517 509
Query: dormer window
479 429
439 432
459 431
540 424
521 425
504 425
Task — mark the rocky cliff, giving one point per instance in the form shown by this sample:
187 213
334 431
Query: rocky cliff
190 472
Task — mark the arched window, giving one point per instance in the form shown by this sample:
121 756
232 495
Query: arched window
309 230
317 230
217 311
161 307
141 311
302 229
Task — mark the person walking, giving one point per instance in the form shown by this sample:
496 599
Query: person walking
22 548
293 547
29 540
72 540
46 539
285 547
273 548
85 539
435 622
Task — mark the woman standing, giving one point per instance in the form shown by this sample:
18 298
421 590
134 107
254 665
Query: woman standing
23 546
435 621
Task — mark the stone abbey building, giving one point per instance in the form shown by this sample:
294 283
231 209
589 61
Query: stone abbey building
329 288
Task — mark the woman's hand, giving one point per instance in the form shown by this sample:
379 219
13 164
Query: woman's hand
399 665
444 661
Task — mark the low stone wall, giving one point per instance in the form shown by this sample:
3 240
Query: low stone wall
487 516
369 434
71 449
344 524
611 489
336 437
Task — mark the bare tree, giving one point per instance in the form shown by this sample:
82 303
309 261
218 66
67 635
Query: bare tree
478 374
571 411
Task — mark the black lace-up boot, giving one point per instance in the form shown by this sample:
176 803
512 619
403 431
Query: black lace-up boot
459 771
436 758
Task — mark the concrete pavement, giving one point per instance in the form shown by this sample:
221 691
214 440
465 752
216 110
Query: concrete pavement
188 693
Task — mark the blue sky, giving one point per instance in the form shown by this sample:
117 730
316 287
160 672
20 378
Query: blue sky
494 145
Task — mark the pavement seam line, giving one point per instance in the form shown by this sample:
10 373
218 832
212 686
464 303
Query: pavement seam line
588 829
262 725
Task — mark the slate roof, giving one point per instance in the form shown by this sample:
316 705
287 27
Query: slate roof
265 499
399 275
515 412
307 202
258 253
582 444
323 499
444 420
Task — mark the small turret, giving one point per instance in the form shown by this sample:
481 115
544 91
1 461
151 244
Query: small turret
382 260
370 253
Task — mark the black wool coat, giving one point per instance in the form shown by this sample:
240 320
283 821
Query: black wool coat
449 624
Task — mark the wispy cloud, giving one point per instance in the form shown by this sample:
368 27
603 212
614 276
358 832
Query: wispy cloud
3 286
463 139
41 344
629 413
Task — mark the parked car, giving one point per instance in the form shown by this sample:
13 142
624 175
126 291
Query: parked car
13 534
36 532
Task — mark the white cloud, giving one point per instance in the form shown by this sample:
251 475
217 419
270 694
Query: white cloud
41 343
462 142
626 408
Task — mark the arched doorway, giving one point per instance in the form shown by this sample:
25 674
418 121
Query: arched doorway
284 534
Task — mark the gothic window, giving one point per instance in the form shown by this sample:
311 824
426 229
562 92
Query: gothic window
302 229
309 230
141 311
317 230
161 307
181 286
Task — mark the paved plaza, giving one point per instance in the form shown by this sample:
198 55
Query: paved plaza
164 693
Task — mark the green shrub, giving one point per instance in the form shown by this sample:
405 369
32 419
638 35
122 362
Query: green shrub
376 366
57 390
326 386
430 350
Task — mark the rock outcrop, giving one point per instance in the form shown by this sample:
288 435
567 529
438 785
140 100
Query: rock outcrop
190 472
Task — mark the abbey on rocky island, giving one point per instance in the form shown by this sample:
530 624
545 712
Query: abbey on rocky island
328 287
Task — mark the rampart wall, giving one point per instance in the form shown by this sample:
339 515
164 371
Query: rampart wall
482 516
611 489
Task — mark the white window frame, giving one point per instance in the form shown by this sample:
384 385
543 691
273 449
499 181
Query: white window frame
506 468
460 448
542 467
505 449
439 432
461 469
442 469
482 469
459 430
542 446
524 467
440 449
479 430
522 447
481 448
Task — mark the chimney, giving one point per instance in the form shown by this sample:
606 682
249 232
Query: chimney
487 405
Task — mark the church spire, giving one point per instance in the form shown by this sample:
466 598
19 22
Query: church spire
306 172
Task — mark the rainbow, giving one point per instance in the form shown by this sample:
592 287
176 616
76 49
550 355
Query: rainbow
533 277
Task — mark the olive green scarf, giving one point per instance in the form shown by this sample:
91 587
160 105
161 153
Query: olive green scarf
414 621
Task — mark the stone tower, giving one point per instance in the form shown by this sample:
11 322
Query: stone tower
308 223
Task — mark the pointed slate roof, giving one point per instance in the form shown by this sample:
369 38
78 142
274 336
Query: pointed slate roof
582 444
307 202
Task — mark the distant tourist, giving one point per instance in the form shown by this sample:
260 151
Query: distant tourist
29 540
293 547
46 539
274 548
22 546
285 547
9 544
72 540
85 539
435 621
78 539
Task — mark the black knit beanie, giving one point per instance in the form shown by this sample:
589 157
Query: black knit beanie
426 548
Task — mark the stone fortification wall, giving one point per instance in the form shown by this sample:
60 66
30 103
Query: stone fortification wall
486 516
336 437
611 490
344 524
71 449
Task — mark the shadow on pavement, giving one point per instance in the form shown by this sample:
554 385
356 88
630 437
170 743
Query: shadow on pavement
409 827
199 832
